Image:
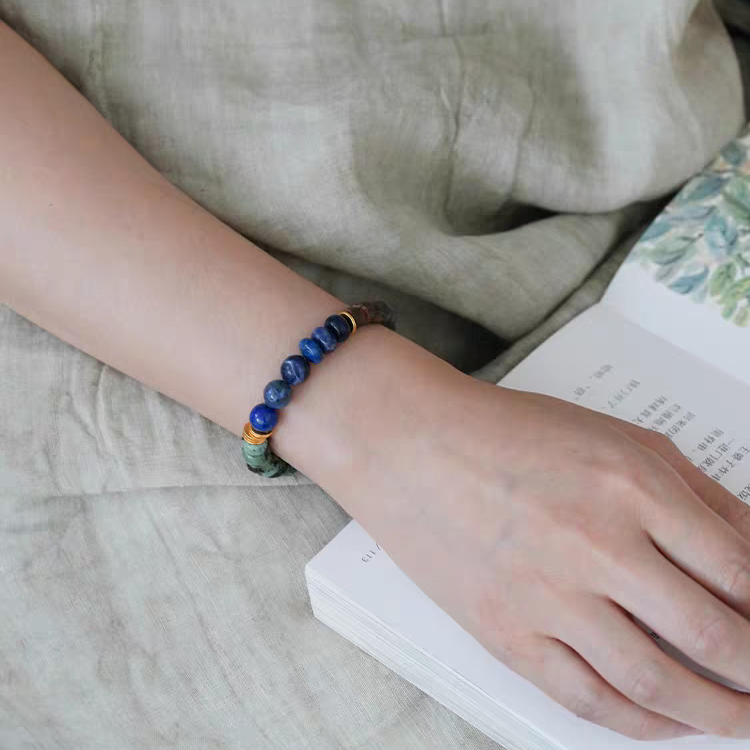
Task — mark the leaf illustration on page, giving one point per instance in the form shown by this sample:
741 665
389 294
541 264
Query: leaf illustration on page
721 235
703 187
742 318
690 282
721 278
679 249
734 153
699 246
657 229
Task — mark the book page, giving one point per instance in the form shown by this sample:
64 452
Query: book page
688 277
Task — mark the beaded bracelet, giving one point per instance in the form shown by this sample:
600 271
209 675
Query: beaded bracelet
337 328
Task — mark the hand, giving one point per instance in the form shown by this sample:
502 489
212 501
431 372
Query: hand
543 528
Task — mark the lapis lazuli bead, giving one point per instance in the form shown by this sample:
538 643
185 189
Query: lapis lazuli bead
263 418
325 338
339 326
277 394
295 369
311 350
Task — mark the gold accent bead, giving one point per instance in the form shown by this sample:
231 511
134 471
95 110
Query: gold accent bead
249 435
347 314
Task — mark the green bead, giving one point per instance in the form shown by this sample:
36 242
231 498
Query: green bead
261 460
254 452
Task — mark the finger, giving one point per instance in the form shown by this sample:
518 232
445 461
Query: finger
701 543
566 678
692 619
689 531
723 502
629 660
733 510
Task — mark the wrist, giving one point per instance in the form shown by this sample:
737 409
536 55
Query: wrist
361 408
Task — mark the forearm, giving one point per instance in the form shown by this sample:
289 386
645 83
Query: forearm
101 250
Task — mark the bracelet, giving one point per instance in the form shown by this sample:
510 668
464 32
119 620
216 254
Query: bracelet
256 449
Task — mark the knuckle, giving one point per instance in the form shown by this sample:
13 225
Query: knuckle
631 477
662 442
712 640
659 443
589 702
619 480
513 650
645 684
735 580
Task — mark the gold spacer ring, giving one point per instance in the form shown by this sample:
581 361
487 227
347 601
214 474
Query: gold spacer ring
249 435
347 314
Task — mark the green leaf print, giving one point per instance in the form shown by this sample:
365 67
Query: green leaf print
737 192
728 310
738 212
699 294
690 282
666 273
657 229
704 186
688 212
699 246
734 153
742 318
671 252
721 278
736 291
721 235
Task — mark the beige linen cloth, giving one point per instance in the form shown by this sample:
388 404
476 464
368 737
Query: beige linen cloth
476 163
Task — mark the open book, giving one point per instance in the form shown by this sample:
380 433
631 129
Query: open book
668 348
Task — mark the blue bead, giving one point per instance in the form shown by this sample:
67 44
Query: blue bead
311 350
326 339
263 418
339 326
295 369
277 394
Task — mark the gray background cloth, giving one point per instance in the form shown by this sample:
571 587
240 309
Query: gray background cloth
476 163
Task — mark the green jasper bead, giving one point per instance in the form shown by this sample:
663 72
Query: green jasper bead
254 453
261 460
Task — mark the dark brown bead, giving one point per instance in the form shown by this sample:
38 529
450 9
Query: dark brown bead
373 312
